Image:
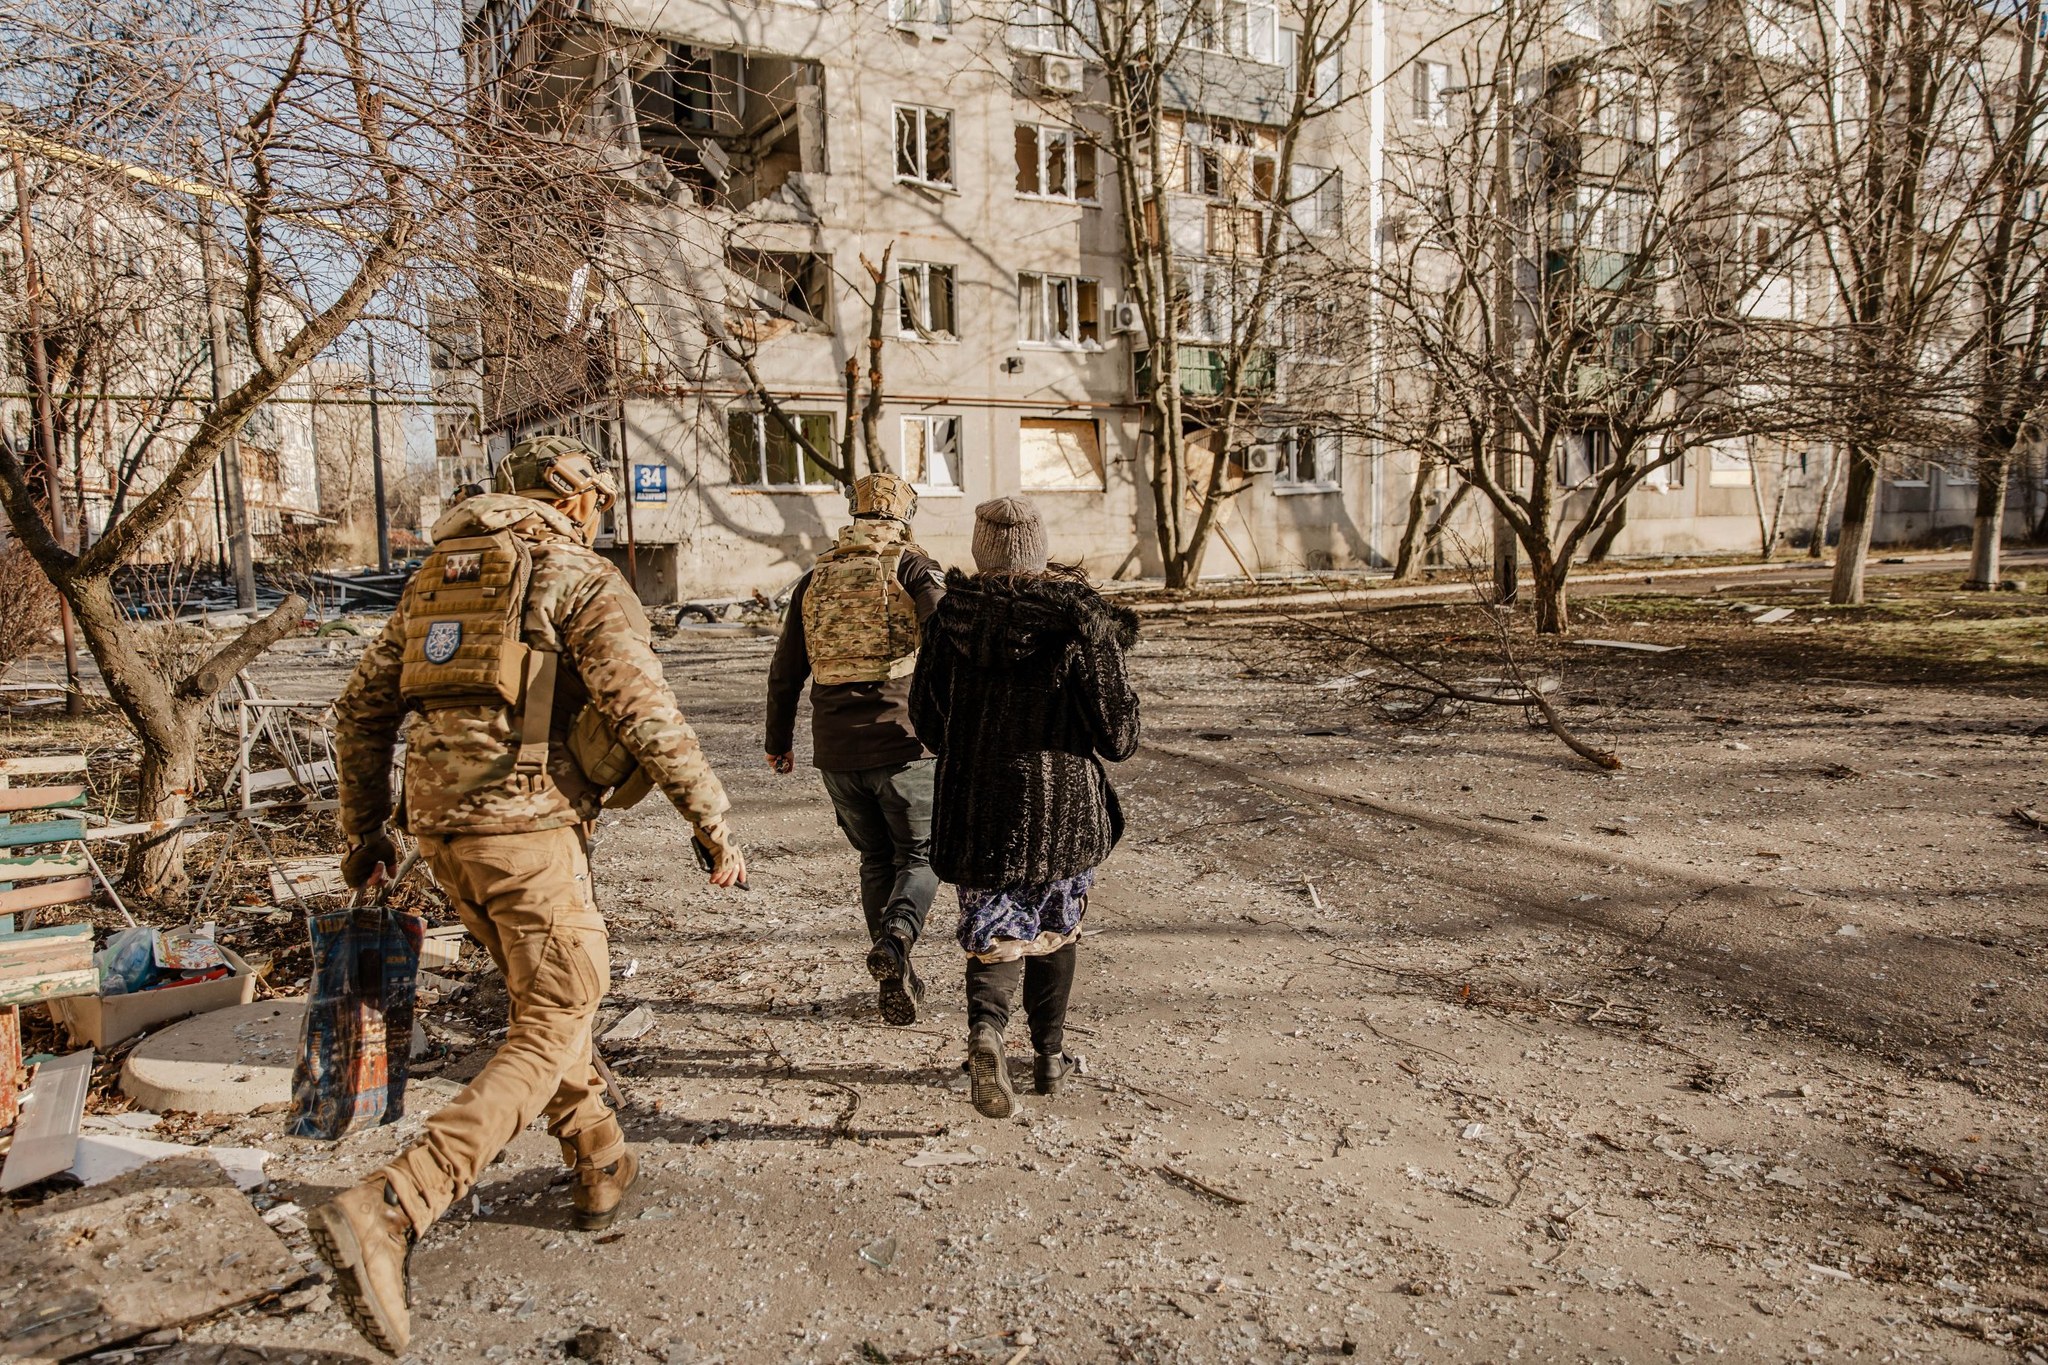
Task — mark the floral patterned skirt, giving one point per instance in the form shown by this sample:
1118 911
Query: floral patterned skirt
1023 921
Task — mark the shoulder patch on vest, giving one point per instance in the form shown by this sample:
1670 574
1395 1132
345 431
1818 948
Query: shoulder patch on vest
443 639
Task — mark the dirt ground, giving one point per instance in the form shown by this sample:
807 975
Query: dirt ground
1415 1042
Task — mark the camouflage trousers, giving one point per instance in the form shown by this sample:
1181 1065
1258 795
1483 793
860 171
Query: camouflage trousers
527 899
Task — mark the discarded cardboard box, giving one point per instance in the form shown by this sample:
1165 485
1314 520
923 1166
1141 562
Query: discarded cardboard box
105 1019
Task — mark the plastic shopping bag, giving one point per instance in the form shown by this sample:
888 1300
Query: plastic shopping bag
356 1050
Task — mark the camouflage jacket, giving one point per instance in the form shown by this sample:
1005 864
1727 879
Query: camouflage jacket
458 769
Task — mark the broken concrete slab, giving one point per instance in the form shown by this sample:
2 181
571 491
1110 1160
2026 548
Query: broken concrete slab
634 1024
169 1244
232 1061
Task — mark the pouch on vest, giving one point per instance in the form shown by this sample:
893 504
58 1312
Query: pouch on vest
462 623
860 624
608 763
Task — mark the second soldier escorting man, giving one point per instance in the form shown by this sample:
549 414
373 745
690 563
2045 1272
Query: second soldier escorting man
852 628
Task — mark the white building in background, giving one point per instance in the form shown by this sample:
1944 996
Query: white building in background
789 141
135 378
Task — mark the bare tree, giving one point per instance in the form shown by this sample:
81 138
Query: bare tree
1569 307
2010 348
314 145
1895 177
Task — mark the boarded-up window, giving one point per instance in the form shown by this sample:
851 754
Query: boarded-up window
1057 454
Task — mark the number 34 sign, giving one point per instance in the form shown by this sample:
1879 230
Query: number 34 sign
650 483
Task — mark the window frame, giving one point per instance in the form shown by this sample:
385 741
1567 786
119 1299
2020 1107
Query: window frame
927 420
1324 443
1074 140
923 270
921 142
899 18
1432 107
761 424
1078 287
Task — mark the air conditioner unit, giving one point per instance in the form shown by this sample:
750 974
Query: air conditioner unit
1126 317
1060 75
1261 459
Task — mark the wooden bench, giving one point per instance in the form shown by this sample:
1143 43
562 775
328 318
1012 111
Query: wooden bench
40 964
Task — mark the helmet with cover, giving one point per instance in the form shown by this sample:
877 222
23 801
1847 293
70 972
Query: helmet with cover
555 467
884 495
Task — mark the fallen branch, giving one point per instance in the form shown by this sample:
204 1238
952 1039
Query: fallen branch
1180 1177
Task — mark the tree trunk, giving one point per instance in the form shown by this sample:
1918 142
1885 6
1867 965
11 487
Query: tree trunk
1616 524
1989 528
1405 566
1859 511
1817 544
1553 606
164 786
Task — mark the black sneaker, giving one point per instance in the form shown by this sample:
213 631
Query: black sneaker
1049 1071
988 1073
900 991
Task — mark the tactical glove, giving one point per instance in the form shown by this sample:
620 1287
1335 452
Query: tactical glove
364 852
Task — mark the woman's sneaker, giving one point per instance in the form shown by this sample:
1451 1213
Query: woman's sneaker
988 1073
1049 1071
899 991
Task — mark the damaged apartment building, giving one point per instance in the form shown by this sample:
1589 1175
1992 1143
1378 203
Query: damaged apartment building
772 155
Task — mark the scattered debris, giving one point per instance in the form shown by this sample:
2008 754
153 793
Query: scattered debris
306 878
230 1061
107 1156
1202 1187
634 1024
881 1255
972 1158
2027 815
46 1134
1772 617
169 1244
1641 646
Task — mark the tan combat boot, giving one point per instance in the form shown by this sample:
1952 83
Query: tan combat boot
598 1191
367 1239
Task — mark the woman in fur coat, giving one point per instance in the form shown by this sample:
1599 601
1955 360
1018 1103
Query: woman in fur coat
1022 692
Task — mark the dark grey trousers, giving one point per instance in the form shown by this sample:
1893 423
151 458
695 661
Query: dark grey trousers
1048 981
886 814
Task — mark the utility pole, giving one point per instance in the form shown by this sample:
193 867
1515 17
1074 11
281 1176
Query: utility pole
228 473
1506 566
377 457
46 426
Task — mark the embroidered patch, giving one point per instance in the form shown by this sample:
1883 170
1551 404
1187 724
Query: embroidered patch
463 568
443 639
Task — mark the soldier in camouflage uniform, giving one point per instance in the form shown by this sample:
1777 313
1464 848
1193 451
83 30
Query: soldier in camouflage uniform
852 629
503 814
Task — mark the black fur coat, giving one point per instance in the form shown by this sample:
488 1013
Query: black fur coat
1021 691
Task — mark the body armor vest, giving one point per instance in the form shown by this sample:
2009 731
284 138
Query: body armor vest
466 644
860 624
463 612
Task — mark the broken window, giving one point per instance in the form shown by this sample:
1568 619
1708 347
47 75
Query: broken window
1318 197
924 301
1058 454
1059 310
762 454
796 285
1309 459
1068 26
1583 454
1329 70
924 145
933 14
931 453
1055 163
1432 97
730 126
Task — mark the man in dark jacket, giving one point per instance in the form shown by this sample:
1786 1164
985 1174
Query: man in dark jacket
853 628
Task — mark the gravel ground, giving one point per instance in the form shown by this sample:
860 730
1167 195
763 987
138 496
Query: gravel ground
1409 1042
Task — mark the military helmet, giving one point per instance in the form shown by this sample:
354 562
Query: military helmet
553 467
884 495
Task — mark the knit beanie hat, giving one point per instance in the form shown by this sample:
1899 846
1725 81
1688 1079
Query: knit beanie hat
1008 537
